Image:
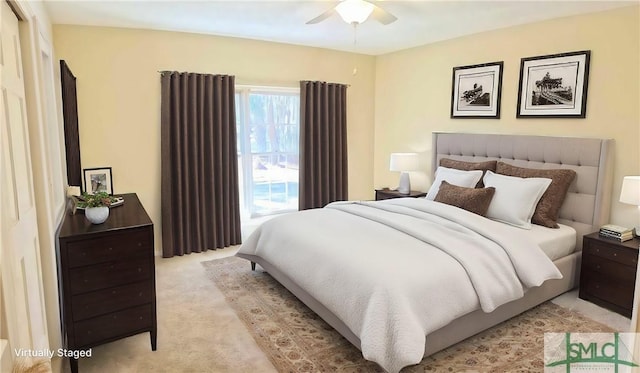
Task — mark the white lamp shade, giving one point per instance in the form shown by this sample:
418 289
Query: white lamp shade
630 192
404 162
354 10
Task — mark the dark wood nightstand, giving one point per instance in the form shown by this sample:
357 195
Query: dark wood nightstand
608 272
388 194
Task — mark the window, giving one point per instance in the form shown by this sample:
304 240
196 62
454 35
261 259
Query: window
268 127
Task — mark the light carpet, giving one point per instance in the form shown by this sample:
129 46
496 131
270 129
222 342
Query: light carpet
296 340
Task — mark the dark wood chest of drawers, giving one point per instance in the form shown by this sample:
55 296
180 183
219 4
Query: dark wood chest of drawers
608 272
106 276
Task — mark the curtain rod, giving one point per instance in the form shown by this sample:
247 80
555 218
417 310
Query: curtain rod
188 72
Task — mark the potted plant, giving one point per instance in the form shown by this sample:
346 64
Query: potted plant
96 206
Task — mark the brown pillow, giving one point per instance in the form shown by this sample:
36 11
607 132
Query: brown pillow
476 200
546 213
470 166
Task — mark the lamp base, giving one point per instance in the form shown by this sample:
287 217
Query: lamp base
404 186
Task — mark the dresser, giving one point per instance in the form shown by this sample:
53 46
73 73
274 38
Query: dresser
608 272
388 194
106 277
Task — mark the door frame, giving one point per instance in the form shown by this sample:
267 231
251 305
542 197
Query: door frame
36 39
44 132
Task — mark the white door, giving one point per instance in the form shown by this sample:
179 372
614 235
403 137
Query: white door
20 275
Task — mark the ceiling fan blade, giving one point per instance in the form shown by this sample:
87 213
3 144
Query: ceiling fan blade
322 16
383 16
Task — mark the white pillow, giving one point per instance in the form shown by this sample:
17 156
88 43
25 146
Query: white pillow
467 179
515 199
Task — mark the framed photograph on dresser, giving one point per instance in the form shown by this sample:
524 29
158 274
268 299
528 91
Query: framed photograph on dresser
475 91
554 86
98 180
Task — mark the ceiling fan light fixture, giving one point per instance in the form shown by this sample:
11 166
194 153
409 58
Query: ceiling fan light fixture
354 11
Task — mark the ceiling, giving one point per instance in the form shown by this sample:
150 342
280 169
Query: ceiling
419 22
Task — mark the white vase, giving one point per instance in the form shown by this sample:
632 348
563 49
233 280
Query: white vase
96 215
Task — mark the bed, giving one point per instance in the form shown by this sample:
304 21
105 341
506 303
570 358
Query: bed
585 208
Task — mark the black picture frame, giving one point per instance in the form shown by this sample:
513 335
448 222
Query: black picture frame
476 91
554 85
98 179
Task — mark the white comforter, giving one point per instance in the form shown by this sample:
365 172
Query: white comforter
393 271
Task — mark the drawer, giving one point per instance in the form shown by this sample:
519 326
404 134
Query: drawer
602 287
383 196
624 274
620 255
113 325
130 243
109 300
102 276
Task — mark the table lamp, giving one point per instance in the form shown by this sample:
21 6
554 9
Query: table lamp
404 162
630 194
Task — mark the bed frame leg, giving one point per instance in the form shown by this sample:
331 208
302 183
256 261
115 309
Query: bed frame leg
253 266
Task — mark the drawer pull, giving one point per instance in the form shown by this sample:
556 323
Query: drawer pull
114 292
85 280
139 244
597 250
139 269
111 249
140 318
598 266
140 294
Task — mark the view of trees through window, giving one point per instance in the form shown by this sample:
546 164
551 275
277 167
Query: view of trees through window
268 128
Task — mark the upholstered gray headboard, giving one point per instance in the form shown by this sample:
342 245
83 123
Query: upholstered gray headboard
587 205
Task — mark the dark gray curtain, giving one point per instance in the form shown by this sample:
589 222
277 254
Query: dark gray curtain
200 205
323 144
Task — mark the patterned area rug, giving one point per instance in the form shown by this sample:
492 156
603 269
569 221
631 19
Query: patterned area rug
297 340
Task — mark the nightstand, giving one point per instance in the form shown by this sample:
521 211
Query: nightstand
388 194
608 272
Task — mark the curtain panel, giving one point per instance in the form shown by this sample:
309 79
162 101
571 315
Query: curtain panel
323 144
199 183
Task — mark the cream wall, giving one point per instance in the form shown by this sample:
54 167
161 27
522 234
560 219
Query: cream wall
119 102
119 95
413 91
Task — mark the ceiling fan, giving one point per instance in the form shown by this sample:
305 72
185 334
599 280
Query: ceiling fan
356 11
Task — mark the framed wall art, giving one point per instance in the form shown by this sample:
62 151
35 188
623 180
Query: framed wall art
554 86
98 180
475 91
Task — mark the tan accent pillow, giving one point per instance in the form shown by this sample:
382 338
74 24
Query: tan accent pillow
548 208
470 166
476 200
